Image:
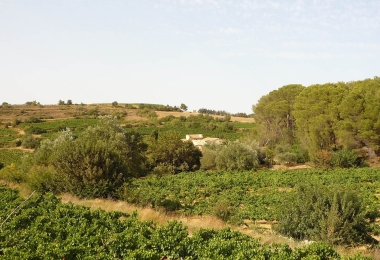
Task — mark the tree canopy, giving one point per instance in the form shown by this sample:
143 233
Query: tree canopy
322 119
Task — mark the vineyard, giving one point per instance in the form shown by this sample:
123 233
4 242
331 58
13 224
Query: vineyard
44 228
8 137
236 196
8 156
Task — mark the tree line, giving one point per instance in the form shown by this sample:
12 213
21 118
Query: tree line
330 124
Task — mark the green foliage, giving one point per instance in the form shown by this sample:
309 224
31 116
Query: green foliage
32 103
316 110
30 142
32 119
168 149
183 107
163 169
9 156
236 156
146 112
249 195
210 152
11 173
44 179
171 205
35 130
205 124
8 137
324 117
94 164
5 105
274 115
346 159
223 210
45 228
335 216
16 122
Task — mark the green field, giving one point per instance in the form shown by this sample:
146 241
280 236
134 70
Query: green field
8 137
44 228
8 156
244 195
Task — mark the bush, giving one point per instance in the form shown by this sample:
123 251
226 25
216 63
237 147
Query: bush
322 158
35 130
287 158
171 205
335 215
44 179
16 122
208 158
32 119
223 210
236 156
163 169
346 159
167 148
96 163
11 173
30 142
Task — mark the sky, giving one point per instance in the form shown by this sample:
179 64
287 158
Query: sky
214 54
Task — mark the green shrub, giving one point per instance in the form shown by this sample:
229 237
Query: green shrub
18 142
223 210
170 205
167 148
30 142
346 159
16 122
208 157
32 119
287 158
44 179
315 251
35 130
163 169
236 156
335 215
96 163
11 173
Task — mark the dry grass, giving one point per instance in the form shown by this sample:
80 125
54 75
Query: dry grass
193 223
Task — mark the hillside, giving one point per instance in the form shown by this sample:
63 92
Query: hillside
86 158
59 112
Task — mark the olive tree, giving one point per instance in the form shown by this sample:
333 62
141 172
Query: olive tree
97 162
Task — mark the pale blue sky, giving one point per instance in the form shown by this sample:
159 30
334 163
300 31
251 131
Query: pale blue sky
216 54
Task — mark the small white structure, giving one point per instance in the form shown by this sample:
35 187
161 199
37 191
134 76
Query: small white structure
194 137
199 141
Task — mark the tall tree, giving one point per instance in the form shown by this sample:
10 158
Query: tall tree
274 115
316 111
183 107
360 113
